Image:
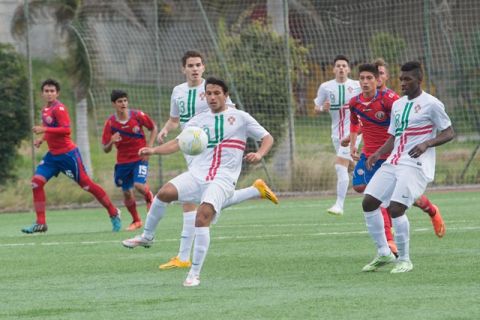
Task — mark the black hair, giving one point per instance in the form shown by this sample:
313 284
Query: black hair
218 82
368 67
414 66
340 57
117 94
191 54
50 82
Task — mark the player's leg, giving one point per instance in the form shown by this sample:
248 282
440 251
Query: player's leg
124 177
73 167
140 175
411 183
43 173
343 179
182 259
259 189
378 190
434 212
213 199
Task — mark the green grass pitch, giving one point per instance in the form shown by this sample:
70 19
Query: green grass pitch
291 261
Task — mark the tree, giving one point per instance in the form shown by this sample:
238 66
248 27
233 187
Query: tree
14 111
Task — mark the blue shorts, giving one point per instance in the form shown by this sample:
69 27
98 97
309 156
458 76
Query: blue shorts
362 176
126 174
69 163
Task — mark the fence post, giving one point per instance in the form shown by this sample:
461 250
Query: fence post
26 13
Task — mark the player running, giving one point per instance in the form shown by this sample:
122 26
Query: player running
333 96
62 156
124 129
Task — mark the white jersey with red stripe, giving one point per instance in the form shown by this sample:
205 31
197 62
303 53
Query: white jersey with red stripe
227 133
413 122
339 94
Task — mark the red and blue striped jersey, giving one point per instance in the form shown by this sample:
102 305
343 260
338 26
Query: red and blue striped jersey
57 134
131 132
373 115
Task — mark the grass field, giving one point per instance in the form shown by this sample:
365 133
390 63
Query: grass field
291 261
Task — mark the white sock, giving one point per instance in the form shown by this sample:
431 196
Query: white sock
155 214
188 234
402 237
342 184
242 195
200 248
375 227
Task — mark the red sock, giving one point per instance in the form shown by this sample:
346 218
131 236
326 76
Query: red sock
39 198
97 191
132 208
425 204
387 221
148 197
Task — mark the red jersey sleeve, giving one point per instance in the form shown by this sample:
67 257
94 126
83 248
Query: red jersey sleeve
145 120
354 122
389 98
107 132
63 122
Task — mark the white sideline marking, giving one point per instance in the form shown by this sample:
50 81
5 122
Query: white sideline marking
264 236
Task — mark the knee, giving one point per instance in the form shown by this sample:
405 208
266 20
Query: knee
139 187
167 193
205 213
396 209
369 203
128 194
359 188
38 182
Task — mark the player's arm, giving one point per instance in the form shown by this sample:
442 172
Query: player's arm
443 137
265 146
387 147
355 130
322 103
171 124
166 148
153 134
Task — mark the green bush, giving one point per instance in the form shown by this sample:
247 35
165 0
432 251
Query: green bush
255 59
14 110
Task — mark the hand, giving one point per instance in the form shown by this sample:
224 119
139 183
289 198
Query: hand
372 160
253 157
161 135
146 151
418 150
354 153
116 137
318 109
326 106
345 141
38 129
37 143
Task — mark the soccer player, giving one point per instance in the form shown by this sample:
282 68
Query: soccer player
124 129
212 175
418 123
187 100
370 112
423 202
333 96
62 156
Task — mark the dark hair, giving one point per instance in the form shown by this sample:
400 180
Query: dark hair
218 82
191 54
50 82
340 57
368 67
117 94
414 66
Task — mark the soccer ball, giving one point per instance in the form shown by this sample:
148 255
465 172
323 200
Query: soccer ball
192 140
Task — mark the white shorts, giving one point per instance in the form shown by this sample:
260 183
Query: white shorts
193 190
399 183
344 152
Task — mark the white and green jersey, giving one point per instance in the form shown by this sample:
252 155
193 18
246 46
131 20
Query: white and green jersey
187 102
227 133
339 94
413 122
